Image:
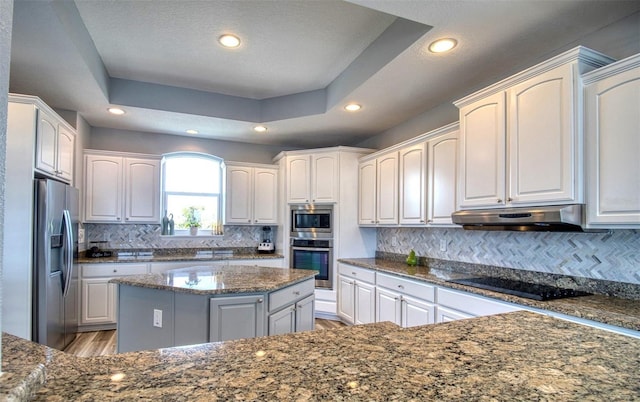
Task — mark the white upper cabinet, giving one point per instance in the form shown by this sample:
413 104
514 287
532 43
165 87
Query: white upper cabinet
142 191
413 174
312 178
251 196
521 139
378 190
121 189
612 128
482 152
442 174
55 142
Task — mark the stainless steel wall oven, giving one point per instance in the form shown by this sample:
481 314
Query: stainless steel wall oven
314 254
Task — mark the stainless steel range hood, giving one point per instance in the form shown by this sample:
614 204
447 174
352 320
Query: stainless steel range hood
555 218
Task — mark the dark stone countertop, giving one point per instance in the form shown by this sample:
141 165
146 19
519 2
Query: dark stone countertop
514 356
616 311
203 280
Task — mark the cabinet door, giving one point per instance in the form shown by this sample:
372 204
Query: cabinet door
444 314
283 322
103 188
543 143
305 314
46 137
98 301
417 312
298 179
613 146
388 306
65 153
367 193
324 178
413 165
346 299
365 303
387 190
482 153
265 196
236 317
443 174
239 197
142 178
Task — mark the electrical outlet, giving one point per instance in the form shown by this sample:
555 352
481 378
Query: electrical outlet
443 245
394 241
157 318
81 236
106 236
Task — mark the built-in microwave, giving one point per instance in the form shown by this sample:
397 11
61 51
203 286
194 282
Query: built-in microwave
309 221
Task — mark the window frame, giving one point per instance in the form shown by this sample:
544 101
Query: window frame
220 195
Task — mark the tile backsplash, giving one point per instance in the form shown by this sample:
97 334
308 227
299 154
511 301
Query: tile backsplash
614 255
148 236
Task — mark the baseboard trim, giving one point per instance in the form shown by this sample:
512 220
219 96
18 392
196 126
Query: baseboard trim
327 316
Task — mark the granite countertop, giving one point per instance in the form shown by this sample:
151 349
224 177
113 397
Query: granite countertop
617 311
205 280
514 356
175 255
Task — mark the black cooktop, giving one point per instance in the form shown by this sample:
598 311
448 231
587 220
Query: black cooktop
518 288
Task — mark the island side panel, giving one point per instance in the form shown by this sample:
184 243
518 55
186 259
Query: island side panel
136 307
191 319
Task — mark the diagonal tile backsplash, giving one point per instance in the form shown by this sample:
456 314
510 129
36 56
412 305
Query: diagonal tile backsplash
614 255
148 236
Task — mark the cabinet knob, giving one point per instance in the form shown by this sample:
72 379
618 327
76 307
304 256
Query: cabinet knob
248 220
126 219
260 300
353 273
396 299
306 200
256 221
400 286
296 293
115 270
429 220
509 199
118 218
499 200
373 221
421 220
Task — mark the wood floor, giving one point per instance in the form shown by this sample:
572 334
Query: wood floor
102 343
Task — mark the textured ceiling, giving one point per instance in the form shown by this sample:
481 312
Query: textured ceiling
299 62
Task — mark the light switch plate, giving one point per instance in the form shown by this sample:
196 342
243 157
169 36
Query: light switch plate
443 245
157 318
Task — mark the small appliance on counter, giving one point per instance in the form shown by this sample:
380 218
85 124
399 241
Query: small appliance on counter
266 246
96 252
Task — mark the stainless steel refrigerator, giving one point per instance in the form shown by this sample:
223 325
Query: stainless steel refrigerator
55 276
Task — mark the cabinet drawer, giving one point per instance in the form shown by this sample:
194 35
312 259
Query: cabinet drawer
361 274
288 295
407 287
471 304
98 270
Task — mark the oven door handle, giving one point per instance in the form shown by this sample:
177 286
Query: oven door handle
311 248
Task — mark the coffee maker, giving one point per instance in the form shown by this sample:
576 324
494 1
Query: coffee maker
266 246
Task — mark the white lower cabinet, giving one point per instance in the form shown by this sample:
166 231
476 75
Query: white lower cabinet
98 297
455 305
356 294
236 317
404 302
292 309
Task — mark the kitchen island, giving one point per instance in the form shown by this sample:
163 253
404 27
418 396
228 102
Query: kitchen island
514 356
205 304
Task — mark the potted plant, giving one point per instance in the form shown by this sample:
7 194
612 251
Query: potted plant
192 219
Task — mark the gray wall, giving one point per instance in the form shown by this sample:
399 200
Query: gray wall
158 144
618 40
6 22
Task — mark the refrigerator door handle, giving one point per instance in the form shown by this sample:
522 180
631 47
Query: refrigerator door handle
68 253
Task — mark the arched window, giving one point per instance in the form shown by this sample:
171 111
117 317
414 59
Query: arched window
193 181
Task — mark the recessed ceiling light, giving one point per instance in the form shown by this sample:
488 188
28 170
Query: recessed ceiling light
229 40
190 131
353 107
442 45
260 129
116 110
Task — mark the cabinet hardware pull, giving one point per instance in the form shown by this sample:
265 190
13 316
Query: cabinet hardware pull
296 293
115 270
259 300
429 220
509 199
373 221
126 219
401 286
396 299
353 273
499 200
421 220
118 218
